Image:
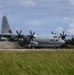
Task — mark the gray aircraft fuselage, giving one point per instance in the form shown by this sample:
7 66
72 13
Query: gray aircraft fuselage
47 41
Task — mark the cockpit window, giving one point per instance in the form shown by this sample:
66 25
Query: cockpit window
55 36
56 40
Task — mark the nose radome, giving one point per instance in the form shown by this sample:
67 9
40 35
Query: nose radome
63 42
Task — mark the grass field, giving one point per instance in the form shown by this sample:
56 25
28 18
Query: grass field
37 62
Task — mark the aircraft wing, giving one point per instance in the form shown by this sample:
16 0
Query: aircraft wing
7 35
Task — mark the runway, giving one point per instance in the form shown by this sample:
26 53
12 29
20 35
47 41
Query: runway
39 50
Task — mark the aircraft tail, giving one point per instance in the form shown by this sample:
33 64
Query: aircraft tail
5 26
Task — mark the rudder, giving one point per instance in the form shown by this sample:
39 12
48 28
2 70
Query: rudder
5 26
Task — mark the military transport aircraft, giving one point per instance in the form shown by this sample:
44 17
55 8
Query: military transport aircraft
30 40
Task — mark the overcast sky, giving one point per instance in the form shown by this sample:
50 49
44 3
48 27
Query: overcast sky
40 16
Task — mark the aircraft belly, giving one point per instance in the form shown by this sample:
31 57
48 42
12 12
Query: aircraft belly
49 44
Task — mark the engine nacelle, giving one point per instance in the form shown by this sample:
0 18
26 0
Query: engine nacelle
3 39
34 43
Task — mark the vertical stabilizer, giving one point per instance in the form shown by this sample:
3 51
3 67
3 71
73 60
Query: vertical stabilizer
5 26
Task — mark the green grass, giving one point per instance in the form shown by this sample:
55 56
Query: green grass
36 63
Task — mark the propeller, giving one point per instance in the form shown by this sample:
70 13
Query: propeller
63 35
31 35
52 32
19 34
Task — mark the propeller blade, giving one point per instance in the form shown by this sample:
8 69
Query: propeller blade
20 32
30 32
17 32
63 33
60 34
33 33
